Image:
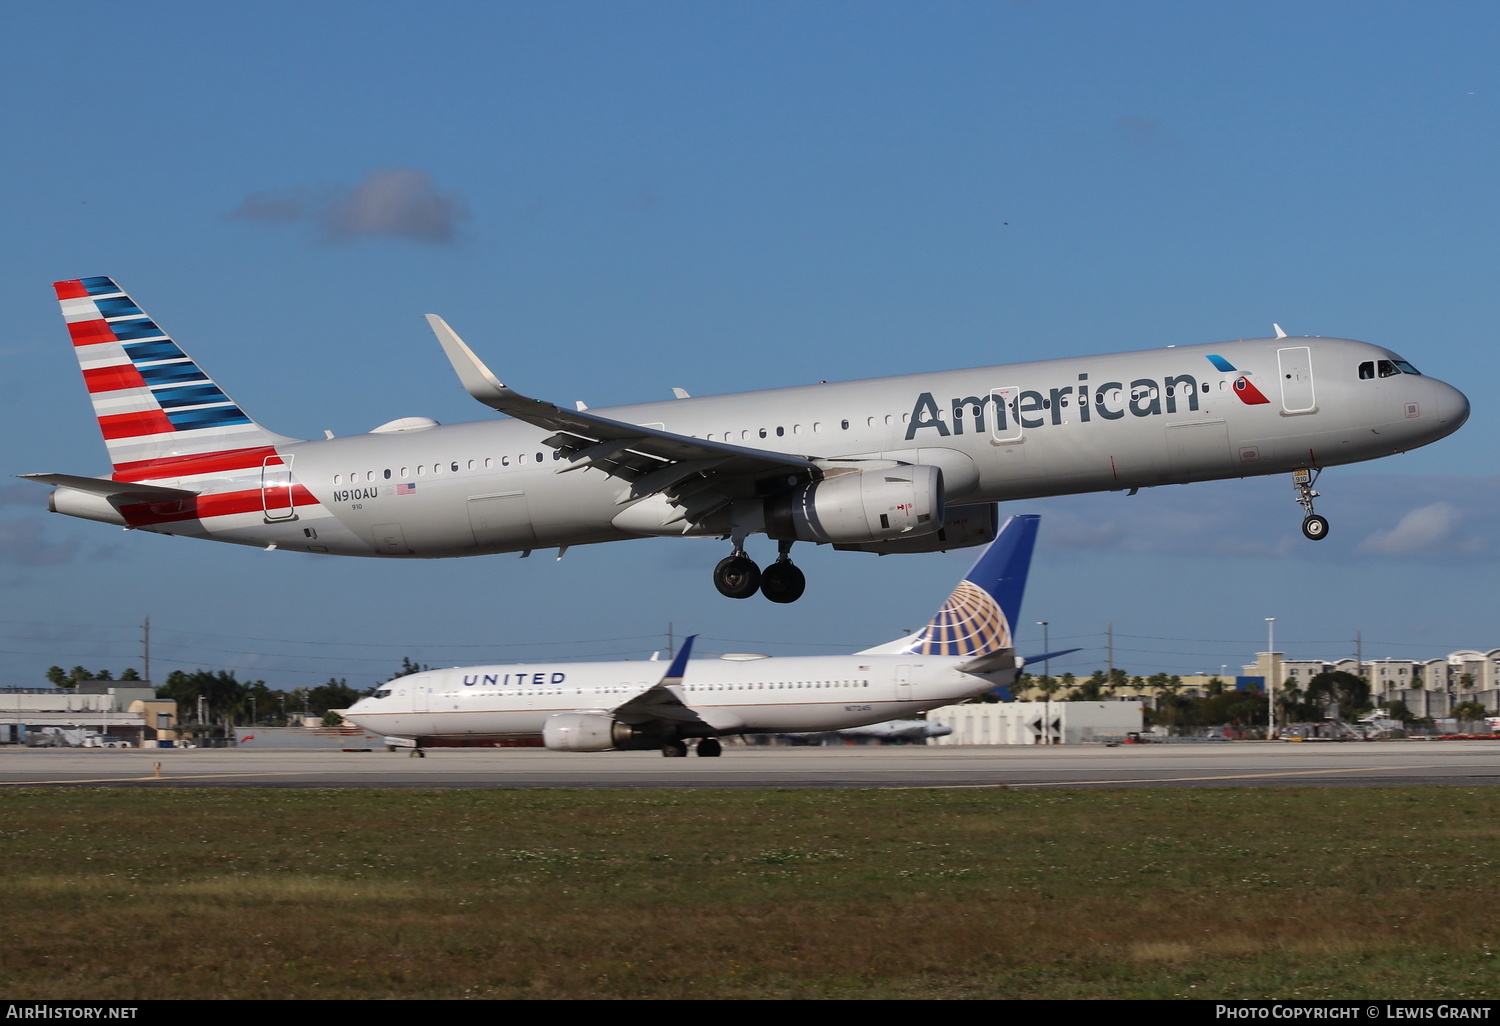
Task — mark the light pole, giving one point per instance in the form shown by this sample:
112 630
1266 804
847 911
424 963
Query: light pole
1046 693
1271 677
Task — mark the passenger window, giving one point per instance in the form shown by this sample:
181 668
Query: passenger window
1367 370
387 475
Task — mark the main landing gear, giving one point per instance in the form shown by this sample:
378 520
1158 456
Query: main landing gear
708 748
737 576
1314 527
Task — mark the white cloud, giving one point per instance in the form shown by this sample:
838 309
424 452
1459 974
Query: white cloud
392 203
1433 529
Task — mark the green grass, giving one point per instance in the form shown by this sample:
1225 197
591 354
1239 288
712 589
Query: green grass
1284 893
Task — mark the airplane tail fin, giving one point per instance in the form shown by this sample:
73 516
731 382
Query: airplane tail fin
980 616
153 402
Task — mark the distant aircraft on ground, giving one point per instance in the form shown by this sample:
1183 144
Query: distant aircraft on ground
965 650
913 463
892 730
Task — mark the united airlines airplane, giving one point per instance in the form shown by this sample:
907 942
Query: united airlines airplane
913 463
965 650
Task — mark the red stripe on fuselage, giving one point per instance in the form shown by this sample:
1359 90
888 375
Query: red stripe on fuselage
202 507
129 425
70 289
90 333
111 379
196 463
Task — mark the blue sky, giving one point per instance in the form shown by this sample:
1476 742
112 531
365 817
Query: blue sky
610 199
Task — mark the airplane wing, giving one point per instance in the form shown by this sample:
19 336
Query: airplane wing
661 701
698 476
124 491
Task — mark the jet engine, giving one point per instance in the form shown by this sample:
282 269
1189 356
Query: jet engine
591 732
860 507
963 527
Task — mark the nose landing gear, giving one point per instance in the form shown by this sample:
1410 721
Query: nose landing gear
1314 527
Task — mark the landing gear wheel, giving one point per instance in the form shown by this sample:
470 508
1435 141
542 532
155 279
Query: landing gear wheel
737 576
782 582
710 748
417 753
1315 528
674 749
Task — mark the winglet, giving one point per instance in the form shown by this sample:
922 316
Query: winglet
1279 332
679 664
477 379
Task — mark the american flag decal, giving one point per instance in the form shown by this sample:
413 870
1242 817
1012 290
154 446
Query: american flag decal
405 489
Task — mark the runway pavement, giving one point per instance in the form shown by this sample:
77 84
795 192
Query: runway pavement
1234 764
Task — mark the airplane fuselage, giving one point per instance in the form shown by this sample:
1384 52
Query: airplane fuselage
728 695
1001 433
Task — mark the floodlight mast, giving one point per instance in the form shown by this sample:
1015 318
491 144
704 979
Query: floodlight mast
1271 677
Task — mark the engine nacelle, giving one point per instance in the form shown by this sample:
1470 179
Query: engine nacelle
860 507
963 527
591 732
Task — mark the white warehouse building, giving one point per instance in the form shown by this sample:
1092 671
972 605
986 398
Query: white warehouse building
1032 723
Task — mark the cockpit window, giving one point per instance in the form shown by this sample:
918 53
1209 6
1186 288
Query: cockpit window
1387 369
1367 370
382 693
1407 368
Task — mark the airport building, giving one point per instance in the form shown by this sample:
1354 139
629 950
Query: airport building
96 714
1429 687
1034 723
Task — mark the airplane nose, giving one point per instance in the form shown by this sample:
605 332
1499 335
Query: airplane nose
1453 406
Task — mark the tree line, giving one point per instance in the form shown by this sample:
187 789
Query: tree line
220 698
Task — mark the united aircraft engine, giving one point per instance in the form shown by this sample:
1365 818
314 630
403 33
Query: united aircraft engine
595 732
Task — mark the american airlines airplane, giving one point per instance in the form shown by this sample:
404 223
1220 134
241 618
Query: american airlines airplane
913 463
965 650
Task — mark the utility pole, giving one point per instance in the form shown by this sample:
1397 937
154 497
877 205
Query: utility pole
146 647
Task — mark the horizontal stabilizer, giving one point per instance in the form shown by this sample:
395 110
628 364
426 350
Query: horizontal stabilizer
112 489
1029 660
990 662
